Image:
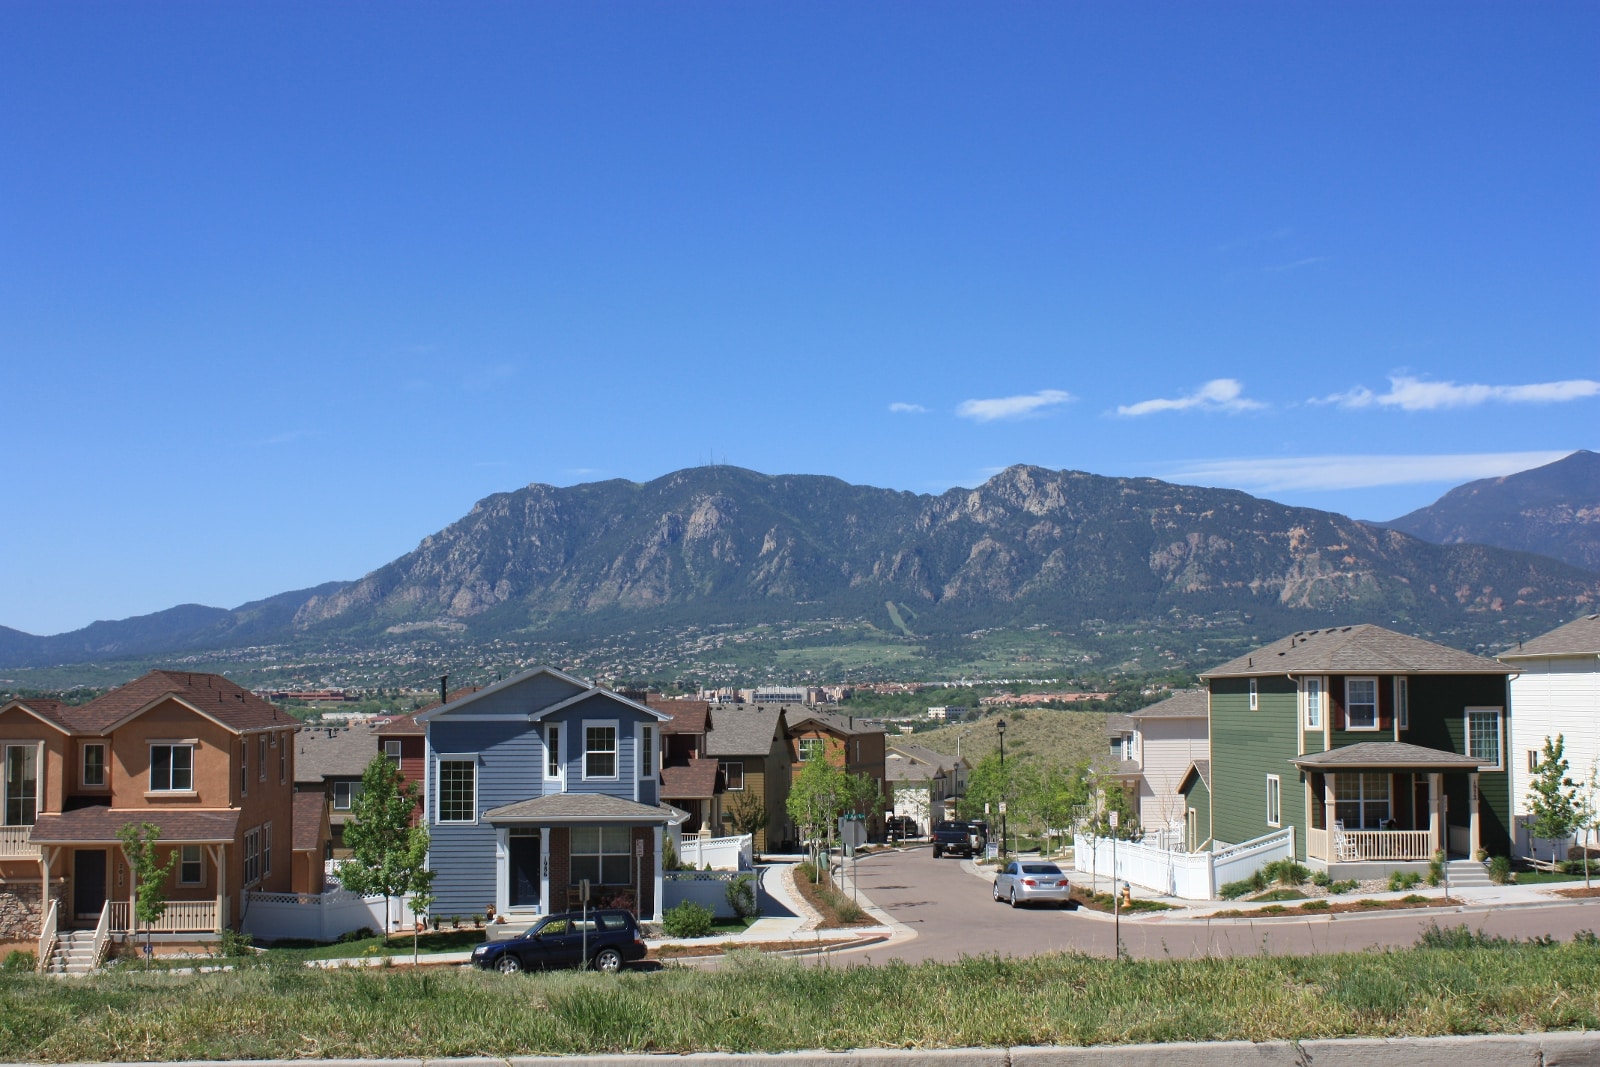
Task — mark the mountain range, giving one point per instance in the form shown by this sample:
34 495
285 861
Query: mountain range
1029 546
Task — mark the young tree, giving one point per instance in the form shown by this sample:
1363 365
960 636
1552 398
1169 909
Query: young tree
749 814
149 877
387 854
815 801
1553 797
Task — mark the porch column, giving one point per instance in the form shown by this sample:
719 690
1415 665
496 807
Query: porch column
1472 798
656 905
222 887
544 870
215 852
1330 811
44 879
1435 828
502 870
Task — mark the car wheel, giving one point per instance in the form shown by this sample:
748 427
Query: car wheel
1013 898
608 960
935 851
996 892
508 964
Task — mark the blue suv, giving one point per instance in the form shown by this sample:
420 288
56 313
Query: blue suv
611 937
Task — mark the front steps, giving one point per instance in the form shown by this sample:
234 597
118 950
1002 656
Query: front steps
73 954
1468 874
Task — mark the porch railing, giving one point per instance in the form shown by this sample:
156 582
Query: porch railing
14 843
181 917
102 936
47 935
1389 844
1317 844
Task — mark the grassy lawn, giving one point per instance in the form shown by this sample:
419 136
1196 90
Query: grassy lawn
1541 877
434 941
763 1004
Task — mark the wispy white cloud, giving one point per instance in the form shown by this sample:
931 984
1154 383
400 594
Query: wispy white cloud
1012 407
1219 394
1417 394
902 408
1357 472
1279 268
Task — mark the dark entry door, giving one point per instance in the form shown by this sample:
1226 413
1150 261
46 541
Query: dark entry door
524 872
88 883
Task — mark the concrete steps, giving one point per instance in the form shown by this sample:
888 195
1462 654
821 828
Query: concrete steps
74 953
1468 874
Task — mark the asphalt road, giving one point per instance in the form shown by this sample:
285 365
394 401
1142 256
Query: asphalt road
954 914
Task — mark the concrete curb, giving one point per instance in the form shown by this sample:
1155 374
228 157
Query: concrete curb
1558 1049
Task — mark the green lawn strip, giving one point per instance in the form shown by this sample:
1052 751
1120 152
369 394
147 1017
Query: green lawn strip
1541 877
760 1004
398 946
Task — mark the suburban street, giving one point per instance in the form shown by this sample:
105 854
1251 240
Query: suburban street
953 915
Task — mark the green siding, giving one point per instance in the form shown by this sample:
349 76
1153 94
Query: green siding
1439 720
1246 746
1198 797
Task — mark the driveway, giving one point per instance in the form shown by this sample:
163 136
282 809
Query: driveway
952 913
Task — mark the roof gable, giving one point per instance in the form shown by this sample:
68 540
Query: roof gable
1363 649
1580 637
209 695
48 712
528 695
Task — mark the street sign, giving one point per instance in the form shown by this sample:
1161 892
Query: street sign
638 848
1113 820
583 890
1002 807
852 833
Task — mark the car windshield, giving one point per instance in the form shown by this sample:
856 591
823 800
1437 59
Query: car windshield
1041 868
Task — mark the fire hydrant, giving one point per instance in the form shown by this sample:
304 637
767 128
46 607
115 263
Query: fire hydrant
1127 894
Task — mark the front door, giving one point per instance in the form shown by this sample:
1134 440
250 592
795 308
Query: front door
524 872
88 883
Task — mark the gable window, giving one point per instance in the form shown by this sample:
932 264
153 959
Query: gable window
171 768
1361 800
344 795
190 870
1483 736
732 775
458 790
812 748
1255 697
252 857
1274 800
94 765
647 751
602 855
599 750
1313 691
1402 702
552 753
1361 703
391 751
22 785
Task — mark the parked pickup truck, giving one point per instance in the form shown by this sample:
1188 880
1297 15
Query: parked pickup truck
957 838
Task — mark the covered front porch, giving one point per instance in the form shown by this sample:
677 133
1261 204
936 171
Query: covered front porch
1383 805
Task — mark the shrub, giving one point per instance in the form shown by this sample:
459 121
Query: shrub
1458 937
1282 894
1500 870
1235 890
234 944
1413 898
1344 885
1315 905
19 960
1436 868
808 870
1286 872
742 895
1321 878
1399 880
688 919
1274 909
356 935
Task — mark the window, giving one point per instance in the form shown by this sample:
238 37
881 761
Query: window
344 795
1360 703
647 751
1402 702
1255 697
1362 800
552 753
94 765
458 790
1313 691
283 761
812 748
244 767
252 857
602 854
391 750
732 775
190 870
261 757
599 751
171 768
1533 760
266 851
22 784
1483 736
1274 800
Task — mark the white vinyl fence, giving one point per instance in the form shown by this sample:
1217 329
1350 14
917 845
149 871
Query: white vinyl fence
722 853
318 916
709 889
1186 875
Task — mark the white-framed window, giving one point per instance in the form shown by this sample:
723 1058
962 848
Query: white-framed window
93 772
252 856
602 854
1361 799
1274 800
553 763
22 784
171 768
261 757
1255 695
646 748
191 871
457 799
1483 737
266 850
1313 691
344 795
1402 702
599 749
391 749
732 775
813 748
1360 703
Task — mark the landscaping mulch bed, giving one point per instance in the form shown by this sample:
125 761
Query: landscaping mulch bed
830 917
1580 892
1335 906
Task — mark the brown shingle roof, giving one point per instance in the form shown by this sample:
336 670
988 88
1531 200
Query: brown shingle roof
233 706
99 825
742 731
1580 637
688 716
1364 649
1386 755
308 811
402 726
54 712
843 725
322 752
580 807
1184 704
695 780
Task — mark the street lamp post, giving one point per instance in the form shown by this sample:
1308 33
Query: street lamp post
1000 728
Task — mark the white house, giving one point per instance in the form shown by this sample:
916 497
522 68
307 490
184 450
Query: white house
921 780
1169 736
1558 692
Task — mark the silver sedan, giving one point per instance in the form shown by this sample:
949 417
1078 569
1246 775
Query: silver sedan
1031 881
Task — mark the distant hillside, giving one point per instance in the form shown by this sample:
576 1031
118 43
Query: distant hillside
1553 510
721 545
1044 735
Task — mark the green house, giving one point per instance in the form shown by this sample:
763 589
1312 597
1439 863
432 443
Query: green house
1379 749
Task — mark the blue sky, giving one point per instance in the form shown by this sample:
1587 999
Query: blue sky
284 288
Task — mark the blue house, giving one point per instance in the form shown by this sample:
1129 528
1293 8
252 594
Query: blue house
537 783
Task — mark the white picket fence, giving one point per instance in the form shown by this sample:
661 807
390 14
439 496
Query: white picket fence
318 916
1186 875
722 853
